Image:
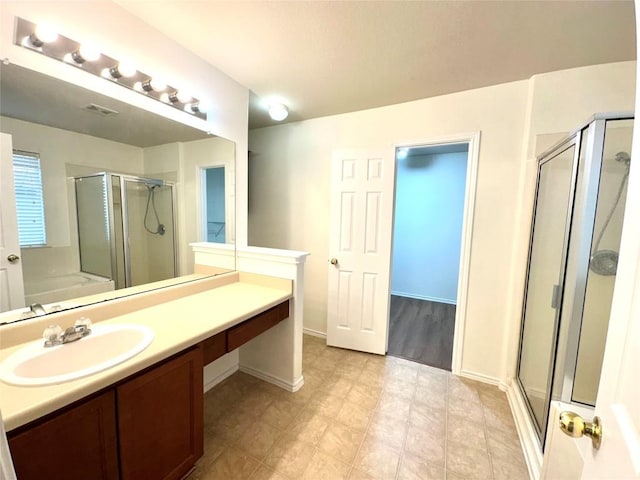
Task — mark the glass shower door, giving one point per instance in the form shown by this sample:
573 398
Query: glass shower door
94 235
150 245
545 280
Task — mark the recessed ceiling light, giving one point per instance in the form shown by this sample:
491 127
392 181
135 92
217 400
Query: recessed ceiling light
278 111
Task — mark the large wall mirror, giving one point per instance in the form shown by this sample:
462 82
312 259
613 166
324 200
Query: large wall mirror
108 196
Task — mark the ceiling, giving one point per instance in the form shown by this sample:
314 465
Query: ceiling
329 57
33 97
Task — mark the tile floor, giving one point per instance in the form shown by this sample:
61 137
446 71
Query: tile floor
359 416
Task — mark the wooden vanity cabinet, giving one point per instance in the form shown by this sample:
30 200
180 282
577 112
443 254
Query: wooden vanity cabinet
160 419
77 443
149 426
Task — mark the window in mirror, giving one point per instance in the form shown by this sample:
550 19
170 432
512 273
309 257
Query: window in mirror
215 204
29 199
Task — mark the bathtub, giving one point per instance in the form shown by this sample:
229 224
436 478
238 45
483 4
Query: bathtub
64 287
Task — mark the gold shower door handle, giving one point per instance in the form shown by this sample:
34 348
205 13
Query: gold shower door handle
13 258
333 261
574 425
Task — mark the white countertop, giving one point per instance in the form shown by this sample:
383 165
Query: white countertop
177 325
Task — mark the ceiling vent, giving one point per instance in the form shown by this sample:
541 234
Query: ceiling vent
100 110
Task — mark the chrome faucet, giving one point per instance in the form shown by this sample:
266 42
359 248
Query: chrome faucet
37 309
53 334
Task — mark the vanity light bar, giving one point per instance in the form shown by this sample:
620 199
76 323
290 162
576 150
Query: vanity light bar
45 41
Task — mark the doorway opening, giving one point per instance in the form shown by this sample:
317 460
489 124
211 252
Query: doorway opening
214 204
429 212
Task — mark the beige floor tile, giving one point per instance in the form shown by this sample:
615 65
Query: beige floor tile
309 426
387 430
404 370
463 389
258 439
232 464
231 426
290 456
255 403
503 444
371 378
499 420
338 386
326 405
433 377
341 442
434 398
430 419
414 468
281 413
354 416
365 396
470 463
267 473
399 388
508 469
424 444
462 430
359 475
465 408
348 371
325 467
378 460
396 407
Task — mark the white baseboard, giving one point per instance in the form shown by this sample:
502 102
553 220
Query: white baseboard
526 431
288 386
314 333
209 383
425 297
483 378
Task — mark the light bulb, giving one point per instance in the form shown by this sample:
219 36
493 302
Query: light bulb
126 69
278 111
89 52
43 34
157 84
183 97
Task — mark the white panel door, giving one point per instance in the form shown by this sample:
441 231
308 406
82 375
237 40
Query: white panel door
11 286
360 249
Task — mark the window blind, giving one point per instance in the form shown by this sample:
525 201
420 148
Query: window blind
29 199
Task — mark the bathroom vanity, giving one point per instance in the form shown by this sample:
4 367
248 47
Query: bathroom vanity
143 418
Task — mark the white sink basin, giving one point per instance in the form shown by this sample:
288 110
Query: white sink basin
106 346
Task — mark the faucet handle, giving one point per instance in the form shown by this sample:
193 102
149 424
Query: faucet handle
83 324
52 335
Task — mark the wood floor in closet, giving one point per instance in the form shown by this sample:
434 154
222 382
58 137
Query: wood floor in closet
421 331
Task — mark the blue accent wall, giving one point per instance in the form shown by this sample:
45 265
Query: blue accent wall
429 207
215 205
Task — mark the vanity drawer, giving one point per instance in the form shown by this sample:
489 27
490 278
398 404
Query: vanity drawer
245 331
214 347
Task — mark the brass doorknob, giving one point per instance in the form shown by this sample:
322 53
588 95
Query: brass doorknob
574 425
13 258
333 261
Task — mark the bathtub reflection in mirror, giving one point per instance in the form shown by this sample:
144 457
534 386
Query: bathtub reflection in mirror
122 232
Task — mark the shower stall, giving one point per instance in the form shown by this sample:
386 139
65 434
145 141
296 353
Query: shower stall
126 228
573 254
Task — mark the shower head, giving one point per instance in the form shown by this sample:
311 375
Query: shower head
623 157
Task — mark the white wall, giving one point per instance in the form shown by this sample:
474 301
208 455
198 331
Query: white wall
289 183
124 36
427 229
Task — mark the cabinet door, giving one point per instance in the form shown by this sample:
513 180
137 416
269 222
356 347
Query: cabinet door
78 443
160 419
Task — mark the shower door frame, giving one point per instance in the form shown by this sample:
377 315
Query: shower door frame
594 130
125 226
108 179
574 140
